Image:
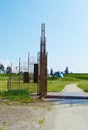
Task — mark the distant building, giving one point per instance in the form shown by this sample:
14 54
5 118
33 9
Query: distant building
2 69
8 69
51 72
66 70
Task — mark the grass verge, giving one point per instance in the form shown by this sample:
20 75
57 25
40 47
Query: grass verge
83 86
21 96
56 85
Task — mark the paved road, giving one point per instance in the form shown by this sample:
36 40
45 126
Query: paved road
73 90
67 116
70 90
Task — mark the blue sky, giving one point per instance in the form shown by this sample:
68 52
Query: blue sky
66 32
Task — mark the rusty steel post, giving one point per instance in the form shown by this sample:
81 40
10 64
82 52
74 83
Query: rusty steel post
43 64
35 73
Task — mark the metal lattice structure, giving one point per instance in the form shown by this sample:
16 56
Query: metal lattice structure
32 74
43 64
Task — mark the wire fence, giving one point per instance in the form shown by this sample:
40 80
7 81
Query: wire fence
26 76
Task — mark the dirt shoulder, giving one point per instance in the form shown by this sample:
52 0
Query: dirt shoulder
24 117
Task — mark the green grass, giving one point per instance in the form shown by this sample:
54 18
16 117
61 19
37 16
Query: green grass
3 85
1 128
41 121
15 94
82 76
3 81
83 86
15 97
56 85
15 83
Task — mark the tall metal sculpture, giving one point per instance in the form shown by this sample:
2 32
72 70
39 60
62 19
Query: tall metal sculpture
43 64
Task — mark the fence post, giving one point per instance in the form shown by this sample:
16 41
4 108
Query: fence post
10 78
19 72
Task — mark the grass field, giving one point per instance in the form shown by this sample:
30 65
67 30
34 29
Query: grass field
57 85
83 84
19 91
83 76
53 85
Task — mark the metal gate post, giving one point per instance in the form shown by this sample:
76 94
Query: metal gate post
43 64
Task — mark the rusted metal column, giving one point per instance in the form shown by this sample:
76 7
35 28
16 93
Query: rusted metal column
43 64
19 71
35 73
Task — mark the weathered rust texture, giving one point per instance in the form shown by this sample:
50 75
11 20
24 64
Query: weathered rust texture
43 64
